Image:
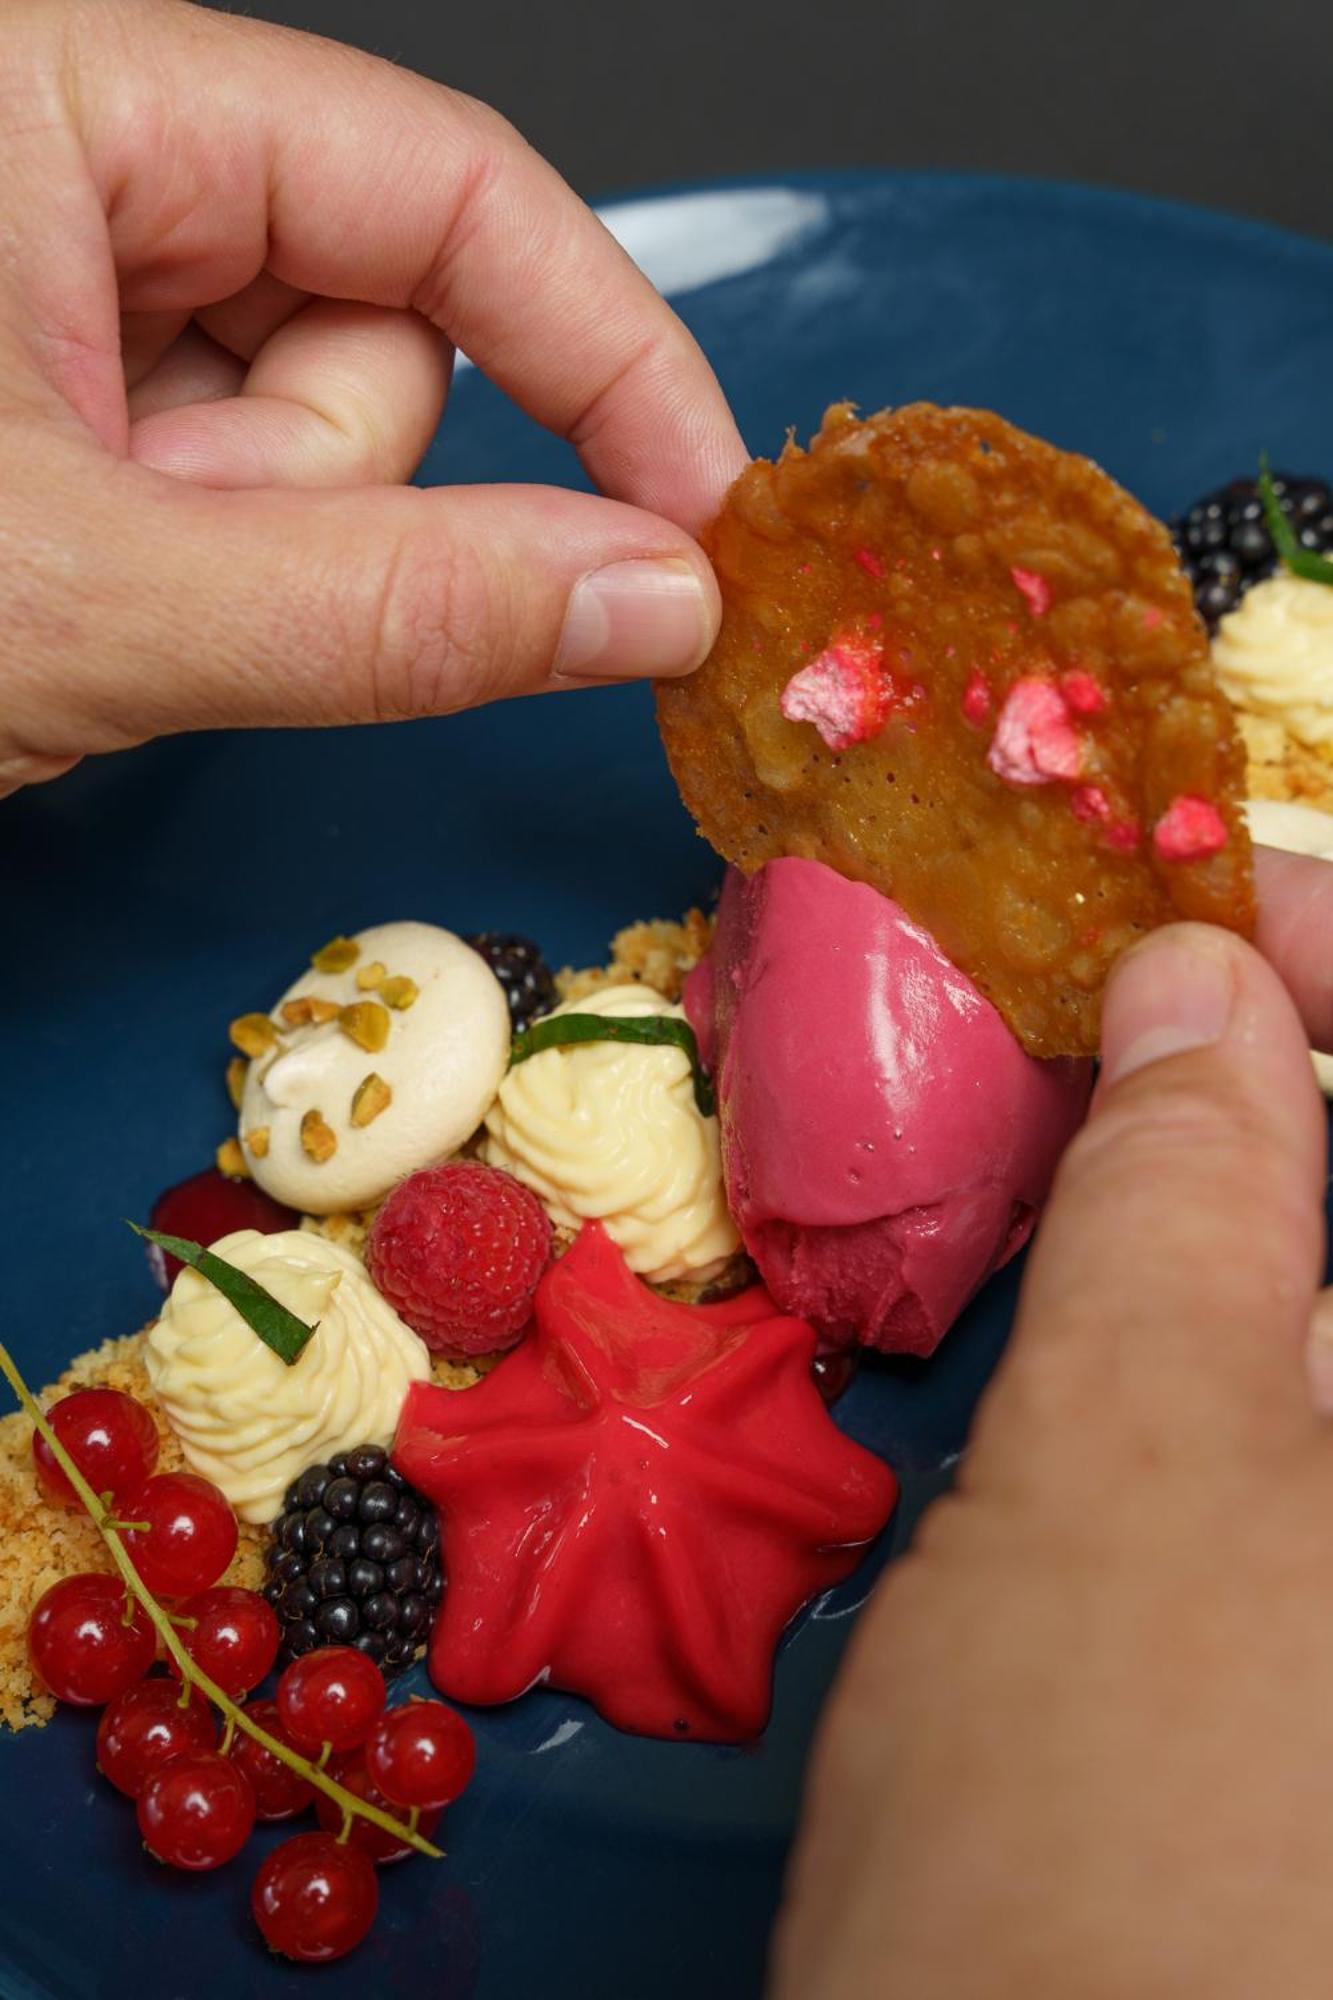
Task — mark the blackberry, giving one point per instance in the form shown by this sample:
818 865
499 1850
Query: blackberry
522 971
354 1560
1224 544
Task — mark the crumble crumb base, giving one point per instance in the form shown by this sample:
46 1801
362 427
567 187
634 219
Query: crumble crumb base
1281 768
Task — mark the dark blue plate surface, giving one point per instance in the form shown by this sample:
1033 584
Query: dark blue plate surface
150 897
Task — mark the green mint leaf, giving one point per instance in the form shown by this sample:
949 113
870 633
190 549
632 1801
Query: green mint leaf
648 1030
1301 562
279 1329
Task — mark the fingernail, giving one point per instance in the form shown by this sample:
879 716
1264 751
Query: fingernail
1170 994
636 619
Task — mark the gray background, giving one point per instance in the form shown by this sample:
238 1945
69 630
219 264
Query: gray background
1227 102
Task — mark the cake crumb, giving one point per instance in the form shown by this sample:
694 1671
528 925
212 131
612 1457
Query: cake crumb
1281 768
657 954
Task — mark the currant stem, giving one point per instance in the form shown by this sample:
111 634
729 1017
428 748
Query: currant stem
191 1674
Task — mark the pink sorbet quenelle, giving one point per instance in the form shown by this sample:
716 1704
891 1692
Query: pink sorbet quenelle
886 1142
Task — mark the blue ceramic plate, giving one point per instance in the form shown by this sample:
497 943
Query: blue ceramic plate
148 898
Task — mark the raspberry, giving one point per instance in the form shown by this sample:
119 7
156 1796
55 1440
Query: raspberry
457 1251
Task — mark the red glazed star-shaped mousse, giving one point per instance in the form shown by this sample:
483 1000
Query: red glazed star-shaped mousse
635 1503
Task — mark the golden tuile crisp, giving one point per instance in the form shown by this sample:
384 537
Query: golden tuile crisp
366 1023
371 1096
257 1141
231 1161
399 991
319 1141
253 1034
236 1073
953 562
369 976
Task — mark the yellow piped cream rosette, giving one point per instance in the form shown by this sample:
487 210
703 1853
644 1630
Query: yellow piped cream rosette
244 1418
1274 659
610 1132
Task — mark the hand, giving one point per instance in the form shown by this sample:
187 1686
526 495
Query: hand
234 262
1083 1741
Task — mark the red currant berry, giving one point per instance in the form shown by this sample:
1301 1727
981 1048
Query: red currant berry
205 1207
421 1754
146 1727
280 1792
82 1647
111 1438
330 1696
197 1812
315 1898
234 1637
190 1537
351 1772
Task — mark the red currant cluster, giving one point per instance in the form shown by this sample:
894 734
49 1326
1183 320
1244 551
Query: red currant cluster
94 1644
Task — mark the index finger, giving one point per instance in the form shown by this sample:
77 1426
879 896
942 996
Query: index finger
243 147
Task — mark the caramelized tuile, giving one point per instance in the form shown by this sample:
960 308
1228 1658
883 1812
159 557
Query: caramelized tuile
974 557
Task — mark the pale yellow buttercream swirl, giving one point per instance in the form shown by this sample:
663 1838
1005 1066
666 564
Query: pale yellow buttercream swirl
610 1132
244 1418
1274 656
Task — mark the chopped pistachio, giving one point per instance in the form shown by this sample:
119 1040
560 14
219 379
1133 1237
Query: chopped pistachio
371 1096
253 1034
366 1023
308 1010
236 1070
319 1141
257 1141
399 991
338 955
369 976
231 1161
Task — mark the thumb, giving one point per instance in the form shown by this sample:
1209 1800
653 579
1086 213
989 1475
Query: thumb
1175 1273
199 609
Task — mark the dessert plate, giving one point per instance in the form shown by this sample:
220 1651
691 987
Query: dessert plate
150 897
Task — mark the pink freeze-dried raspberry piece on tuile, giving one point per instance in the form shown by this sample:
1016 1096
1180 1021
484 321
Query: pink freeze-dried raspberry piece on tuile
1090 803
845 691
1035 589
1083 692
1189 830
977 698
1035 742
